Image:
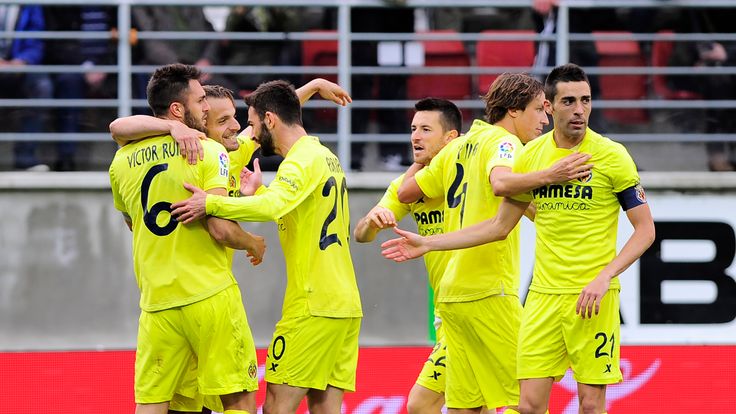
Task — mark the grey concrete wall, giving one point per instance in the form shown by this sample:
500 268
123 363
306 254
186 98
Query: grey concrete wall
66 277
67 281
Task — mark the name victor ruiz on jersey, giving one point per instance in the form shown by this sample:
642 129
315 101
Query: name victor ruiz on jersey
150 154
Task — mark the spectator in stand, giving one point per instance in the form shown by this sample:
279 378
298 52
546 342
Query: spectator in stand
721 155
17 53
259 19
84 52
238 53
581 53
201 53
394 17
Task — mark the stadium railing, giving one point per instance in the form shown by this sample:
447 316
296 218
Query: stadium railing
124 103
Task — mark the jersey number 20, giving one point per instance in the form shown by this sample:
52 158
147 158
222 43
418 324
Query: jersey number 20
327 239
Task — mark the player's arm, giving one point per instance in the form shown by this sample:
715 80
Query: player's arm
290 187
376 220
136 127
326 89
506 183
230 234
640 218
409 191
411 245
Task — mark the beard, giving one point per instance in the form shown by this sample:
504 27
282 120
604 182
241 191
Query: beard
266 140
194 123
230 141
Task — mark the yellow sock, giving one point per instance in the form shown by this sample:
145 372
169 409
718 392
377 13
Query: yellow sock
236 412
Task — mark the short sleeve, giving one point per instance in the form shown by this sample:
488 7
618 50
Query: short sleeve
504 153
622 170
429 178
215 167
390 199
521 166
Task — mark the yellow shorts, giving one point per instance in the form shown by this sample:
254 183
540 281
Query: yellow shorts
433 372
314 352
205 347
553 337
481 341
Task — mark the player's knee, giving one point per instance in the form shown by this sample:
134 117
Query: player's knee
591 406
529 407
415 406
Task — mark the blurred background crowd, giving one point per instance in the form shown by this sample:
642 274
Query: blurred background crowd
25 122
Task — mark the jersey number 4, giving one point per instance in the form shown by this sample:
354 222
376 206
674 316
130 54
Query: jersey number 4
149 216
327 239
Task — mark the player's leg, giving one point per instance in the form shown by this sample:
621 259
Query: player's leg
593 345
218 331
424 401
328 401
592 398
427 396
542 355
535 394
283 398
481 353
155 408
340 371
239 402
162 359
311 356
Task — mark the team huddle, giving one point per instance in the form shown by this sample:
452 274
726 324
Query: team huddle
467 193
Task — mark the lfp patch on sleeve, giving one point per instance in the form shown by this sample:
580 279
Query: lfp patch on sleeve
224 164
506 150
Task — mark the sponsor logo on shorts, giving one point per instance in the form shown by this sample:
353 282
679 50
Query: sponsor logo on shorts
252 369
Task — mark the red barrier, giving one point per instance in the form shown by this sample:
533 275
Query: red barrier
657 379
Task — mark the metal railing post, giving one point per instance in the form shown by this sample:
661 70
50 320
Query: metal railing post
344 120
124 60
563 31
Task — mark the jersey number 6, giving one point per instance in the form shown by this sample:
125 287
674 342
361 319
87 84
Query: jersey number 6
149 216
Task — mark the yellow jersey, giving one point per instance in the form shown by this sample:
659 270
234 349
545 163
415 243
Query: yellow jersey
175 264
239 159
460 174
308 199
576 222
428 214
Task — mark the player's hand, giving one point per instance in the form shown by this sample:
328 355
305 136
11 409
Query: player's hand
191 209
188 139
381 218
572 167
408 246
250 181
256 250
333 92
589 301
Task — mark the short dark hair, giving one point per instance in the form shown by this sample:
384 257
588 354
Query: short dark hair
510 91
450 116
278 97
168 84
218 92
568 72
